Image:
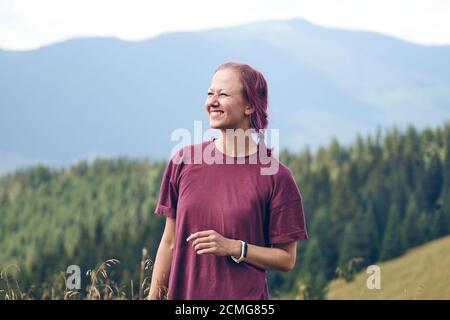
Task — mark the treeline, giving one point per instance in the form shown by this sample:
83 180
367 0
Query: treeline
369 202
364 203
82 215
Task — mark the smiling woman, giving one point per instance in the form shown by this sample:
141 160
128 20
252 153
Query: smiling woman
227 224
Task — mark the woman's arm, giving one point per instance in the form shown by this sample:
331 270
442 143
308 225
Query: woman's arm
280 257
163 260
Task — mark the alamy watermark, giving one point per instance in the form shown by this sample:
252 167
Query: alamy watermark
73 281
270 164
374 280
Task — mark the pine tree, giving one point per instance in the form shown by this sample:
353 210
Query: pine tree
423 227
355 241
433 182
392 242
439 224
410 229
314 271
320 227
348 251
446 182
446 208
360 244
372 235
412 149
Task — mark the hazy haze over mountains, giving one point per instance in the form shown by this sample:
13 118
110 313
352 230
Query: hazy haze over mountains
103 96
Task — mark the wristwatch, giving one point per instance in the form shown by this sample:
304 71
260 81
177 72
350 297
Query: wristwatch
243 252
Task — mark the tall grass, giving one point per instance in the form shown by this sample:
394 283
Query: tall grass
100 286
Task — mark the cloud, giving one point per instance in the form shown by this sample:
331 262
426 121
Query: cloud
419 21
27 24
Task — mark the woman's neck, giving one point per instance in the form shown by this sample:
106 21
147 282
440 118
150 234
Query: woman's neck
236 143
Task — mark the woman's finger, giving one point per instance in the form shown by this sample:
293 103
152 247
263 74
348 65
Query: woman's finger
200 234
204 245
209 250
202 239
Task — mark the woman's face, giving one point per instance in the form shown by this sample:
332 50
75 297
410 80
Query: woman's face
225 104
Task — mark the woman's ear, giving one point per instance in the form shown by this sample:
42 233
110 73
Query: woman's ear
248 110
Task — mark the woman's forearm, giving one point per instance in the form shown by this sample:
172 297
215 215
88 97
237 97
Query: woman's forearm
263 257
161 271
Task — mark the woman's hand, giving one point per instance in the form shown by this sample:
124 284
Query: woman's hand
280 257
210 241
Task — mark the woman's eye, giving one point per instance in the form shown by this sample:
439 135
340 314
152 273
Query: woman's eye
222 94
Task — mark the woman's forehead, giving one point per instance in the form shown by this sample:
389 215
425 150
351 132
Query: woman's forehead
223 80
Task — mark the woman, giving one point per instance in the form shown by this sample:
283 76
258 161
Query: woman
227 224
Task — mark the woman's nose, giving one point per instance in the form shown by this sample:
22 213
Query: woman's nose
214 99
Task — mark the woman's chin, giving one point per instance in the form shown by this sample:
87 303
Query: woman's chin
215 124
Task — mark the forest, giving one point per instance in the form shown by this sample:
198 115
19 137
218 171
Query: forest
366 202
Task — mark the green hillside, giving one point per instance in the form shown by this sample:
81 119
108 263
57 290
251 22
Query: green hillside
422 273
371 200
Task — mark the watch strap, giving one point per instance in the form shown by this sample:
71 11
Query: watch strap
244 248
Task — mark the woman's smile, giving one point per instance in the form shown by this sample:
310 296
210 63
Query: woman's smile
216 114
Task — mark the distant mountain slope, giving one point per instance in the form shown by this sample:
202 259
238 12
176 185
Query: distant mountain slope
103 96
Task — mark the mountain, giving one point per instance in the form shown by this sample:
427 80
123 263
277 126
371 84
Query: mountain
90 97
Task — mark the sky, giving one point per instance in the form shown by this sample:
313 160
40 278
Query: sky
29 24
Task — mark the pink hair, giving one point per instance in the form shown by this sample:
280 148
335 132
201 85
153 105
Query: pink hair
255 92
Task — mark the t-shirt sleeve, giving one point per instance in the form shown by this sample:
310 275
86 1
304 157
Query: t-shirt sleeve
168 193
287 219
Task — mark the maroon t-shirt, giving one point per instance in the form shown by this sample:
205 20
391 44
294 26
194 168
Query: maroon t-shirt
238 202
